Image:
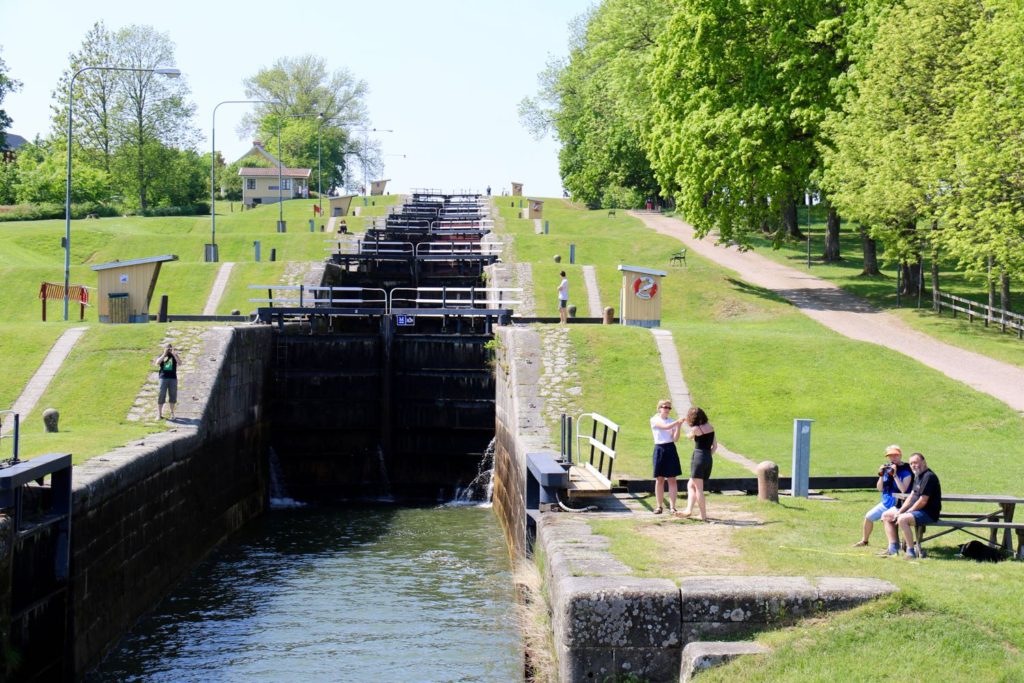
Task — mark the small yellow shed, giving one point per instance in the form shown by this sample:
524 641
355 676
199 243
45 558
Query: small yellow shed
534 209
126 288
340 205
517 189
640 300
377 186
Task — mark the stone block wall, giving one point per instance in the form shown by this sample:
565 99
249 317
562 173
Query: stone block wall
518 425
144 514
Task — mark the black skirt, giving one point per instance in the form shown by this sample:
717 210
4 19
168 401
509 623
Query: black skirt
700 464
666 460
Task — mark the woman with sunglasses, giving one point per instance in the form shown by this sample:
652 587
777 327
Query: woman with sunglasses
704 444
666 459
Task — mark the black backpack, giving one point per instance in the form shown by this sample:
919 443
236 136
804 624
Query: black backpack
981 552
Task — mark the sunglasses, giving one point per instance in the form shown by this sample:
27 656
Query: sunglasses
668 407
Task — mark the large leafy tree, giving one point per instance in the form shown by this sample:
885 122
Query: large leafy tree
741 88
7 84
891 158
982 213
313 101
596 102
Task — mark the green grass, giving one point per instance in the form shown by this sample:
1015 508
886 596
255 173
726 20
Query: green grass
755 363
881 290
953 619
94 390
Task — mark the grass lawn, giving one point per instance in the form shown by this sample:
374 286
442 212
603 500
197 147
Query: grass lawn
953 619
755 363
881 290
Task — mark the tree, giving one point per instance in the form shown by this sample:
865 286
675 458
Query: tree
154 116
741 88
983 212
96 98
7 84
306 89
596 102
890 160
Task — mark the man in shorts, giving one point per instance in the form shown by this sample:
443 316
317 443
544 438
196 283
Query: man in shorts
167 366
922 508
563 299
894 477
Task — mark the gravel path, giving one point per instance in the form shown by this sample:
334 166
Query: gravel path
852 316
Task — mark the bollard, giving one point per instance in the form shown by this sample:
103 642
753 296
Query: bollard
768 481
312 225
801 457
321 227
609 316
558 258
273 254
572 253
545 227
162 316
282 226
51 419
210 253
256 245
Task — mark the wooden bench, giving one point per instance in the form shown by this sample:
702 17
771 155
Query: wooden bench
611 213
973 522
678 258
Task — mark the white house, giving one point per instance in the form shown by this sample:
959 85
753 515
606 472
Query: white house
260 186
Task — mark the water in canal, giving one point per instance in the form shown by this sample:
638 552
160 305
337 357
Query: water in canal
333 594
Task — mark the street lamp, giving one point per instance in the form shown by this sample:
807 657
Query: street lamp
211 253
171 73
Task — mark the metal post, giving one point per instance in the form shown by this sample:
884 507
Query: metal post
256 244
801 457
280 190
572 253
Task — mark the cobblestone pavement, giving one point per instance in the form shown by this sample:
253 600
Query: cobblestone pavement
188 342
559 382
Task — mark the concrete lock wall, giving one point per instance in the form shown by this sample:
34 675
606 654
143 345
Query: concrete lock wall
144 514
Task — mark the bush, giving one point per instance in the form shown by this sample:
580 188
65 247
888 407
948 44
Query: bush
198 209
49 211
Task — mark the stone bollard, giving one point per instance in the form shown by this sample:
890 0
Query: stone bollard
768 481
572 311
50 419
609 315
558 259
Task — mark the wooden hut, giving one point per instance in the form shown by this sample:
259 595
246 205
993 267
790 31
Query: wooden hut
126 288
640 299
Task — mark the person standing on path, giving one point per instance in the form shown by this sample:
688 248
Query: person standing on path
894 477
167 366
666 458
563 299
704 445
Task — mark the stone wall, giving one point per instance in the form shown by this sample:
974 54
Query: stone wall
519 427
608 623
144 514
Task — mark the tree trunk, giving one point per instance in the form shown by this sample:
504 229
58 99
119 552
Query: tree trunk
831 253
870 249
935 279
991 288
789 220
910 277
1004 290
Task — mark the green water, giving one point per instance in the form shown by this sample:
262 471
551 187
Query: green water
329 594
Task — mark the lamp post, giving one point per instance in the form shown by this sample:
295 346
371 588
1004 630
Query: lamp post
171 73
211 252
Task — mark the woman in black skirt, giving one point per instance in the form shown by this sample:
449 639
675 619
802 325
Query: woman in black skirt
703 435
666 459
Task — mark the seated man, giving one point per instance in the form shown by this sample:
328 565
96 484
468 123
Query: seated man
894 477
922 508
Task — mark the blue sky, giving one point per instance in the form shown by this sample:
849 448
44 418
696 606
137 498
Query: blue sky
445 75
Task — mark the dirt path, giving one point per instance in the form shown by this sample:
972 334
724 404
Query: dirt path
852 316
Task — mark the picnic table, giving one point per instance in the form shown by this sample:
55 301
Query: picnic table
978 521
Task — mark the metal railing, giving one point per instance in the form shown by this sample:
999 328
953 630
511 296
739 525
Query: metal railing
337 297
597 450
370 248
460 248
989 314
453 297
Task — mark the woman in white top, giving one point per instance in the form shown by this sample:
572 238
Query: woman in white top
666 459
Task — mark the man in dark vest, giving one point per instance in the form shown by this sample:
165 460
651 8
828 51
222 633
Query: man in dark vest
922 507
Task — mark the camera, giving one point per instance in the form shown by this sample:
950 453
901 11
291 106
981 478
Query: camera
887 467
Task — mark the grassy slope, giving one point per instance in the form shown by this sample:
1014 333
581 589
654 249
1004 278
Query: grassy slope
755 363
881 290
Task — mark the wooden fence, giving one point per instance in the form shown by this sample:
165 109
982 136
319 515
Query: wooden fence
988 314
